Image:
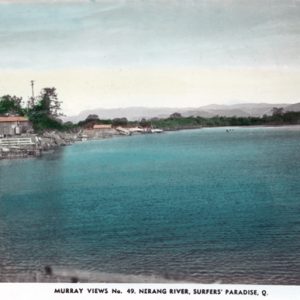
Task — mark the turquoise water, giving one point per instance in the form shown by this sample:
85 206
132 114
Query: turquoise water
200 205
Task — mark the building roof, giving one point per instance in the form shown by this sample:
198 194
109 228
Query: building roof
13 119
102 126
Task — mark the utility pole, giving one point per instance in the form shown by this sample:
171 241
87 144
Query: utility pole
32 89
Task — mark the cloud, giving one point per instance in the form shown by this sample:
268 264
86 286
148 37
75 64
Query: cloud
140 33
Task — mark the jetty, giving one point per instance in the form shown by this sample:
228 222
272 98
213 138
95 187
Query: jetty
32 145
19 147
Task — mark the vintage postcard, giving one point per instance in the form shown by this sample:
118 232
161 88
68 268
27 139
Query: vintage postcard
150 142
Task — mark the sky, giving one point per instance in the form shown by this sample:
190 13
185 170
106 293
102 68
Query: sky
151 53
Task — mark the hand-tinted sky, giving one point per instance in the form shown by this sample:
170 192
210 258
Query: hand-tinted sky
43 38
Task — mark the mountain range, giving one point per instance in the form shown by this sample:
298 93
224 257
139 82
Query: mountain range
207 111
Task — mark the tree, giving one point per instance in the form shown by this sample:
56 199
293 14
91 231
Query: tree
11 105
120 122
44 114
277 111
175 115
277 115
48 103
145 123
92 117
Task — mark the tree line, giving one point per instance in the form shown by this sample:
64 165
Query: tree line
278 117
176 121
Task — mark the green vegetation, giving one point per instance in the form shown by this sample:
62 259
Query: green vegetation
92 120
11 105
278 117
44 114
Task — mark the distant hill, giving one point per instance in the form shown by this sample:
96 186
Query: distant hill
197 112
131 113
222 111
137 113
258 109
293 107
243 109
230 112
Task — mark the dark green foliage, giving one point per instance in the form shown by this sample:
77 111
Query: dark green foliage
11 105
277 111
42 122
89 123
120 122
279 117
44 113
176 123
47 103
70 127
144 123
92 118
175 115
291 117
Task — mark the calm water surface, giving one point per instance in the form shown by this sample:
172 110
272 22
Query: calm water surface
199 205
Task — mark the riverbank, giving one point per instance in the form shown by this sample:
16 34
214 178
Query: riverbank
33 145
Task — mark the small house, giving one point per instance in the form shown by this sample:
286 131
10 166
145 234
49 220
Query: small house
102 126
100 131
14 125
